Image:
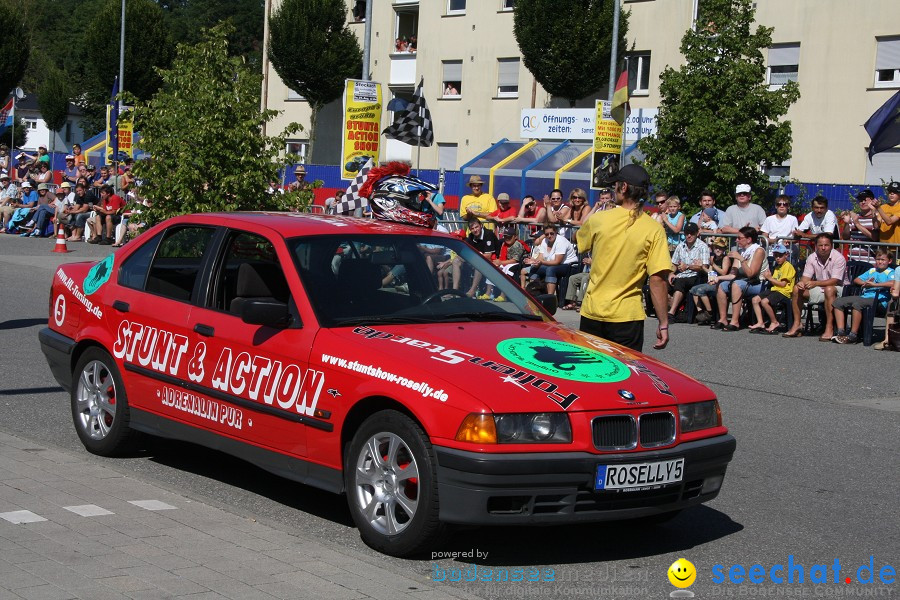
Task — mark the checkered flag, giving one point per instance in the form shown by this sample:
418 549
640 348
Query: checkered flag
414 126
352 200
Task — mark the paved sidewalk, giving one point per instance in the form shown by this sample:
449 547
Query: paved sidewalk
73 529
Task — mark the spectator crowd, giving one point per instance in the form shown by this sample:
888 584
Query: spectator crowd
733 269
35 201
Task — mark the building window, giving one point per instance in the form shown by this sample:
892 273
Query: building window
784 64
638 73
292 95
30 124
447 156
507 4
406 24
456 7
452 78
402 96
887 62
507 77
68 131
359 10
701 20
298 147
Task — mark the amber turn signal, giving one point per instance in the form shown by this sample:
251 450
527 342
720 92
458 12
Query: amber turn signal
478 429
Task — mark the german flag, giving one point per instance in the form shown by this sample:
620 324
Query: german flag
620 108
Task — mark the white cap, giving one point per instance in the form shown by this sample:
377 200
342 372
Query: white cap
26 184
742 189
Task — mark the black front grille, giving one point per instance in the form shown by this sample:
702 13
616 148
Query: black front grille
657 429
614 432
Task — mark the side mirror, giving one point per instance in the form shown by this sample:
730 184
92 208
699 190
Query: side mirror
266 312
549 302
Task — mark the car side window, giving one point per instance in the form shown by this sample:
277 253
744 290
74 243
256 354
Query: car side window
133 272
176 266
249 269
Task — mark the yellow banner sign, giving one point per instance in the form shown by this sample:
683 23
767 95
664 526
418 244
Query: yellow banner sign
362 126
607 146
126 134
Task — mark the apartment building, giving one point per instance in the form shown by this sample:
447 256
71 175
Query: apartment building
844 54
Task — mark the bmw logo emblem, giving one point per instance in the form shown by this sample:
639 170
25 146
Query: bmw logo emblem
625 394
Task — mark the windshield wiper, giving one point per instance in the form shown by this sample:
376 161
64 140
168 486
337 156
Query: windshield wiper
351 321
488 316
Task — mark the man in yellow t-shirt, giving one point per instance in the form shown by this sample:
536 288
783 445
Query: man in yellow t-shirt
477 204
627 246
890 215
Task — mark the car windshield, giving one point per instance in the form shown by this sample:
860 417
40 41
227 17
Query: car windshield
357 279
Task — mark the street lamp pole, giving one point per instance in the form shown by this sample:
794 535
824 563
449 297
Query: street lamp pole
118 100
122 54
613 55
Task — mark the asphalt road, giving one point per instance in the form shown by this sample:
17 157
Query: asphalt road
815 475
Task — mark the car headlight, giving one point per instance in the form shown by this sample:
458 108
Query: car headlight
699 415
530 428
515 428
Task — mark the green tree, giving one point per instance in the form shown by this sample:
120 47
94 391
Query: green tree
188 19
147 46
566 44
53 100
15 46
21 130
203 130
719 123
313 51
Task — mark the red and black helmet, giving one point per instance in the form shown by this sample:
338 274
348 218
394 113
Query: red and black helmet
400 198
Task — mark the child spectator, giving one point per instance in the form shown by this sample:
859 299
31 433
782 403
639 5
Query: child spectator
79 157
673 222
892 310
782 282
880 276
720 264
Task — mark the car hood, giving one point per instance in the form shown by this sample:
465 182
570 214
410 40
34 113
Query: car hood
522 366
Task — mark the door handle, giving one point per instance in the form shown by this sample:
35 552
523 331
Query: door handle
121 306
204 330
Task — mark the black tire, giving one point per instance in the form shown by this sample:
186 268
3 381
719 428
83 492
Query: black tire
390 491
99 404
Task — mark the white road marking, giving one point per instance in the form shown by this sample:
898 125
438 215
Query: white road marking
152 504
88 510
17 517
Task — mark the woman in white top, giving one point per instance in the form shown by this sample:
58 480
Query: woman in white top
749 263
781 225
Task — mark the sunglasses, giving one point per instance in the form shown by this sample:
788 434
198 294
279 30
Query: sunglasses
577 198
782 204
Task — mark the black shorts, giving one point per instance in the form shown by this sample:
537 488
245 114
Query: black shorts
684 284
629 334
775 299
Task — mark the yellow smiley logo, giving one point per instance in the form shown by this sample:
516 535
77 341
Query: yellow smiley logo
682 573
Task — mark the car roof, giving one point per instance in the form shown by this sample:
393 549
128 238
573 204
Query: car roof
290 224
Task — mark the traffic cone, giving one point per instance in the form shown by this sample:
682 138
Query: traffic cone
60 245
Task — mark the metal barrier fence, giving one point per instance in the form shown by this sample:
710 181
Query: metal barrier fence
798 250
